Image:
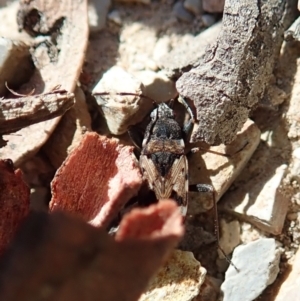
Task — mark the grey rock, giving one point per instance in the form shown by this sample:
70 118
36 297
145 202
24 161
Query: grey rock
97 12
258 264
187 55
181 13
231 78
208 20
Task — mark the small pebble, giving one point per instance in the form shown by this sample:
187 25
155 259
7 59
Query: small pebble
208 20
194 6
213 6
97 12
115 17
292 216
157 85
181 13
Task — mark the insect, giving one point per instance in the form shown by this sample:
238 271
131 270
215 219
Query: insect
163 161
163 158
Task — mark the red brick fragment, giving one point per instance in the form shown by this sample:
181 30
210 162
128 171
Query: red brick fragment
96 180
58 257
156 221
14 201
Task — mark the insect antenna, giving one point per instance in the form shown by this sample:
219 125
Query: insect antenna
196 149
210 189
217 233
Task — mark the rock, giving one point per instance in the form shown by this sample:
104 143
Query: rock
258 264
69 132
220 171
14 202
157 85
257 197
96 180
9 27
210 289
121 111
230 236
67 60
15 64
208 20
213 6
179 279
273 97
289 289
39 198
194 6
295 166
187 55
97 12
115 17
136 1
181 13
293 31
195 237
162 47
37 171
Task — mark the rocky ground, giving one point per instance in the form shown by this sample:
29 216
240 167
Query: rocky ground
144 46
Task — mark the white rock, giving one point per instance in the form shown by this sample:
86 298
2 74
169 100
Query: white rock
218 170
97 12
157 85
120 111
289 290
162 47
259 199
230 236
295 166
179 279
258 264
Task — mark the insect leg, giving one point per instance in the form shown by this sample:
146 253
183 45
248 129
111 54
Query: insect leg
196 149
187 127
210 189
136 137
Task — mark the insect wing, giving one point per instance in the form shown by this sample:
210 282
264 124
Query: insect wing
175 185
